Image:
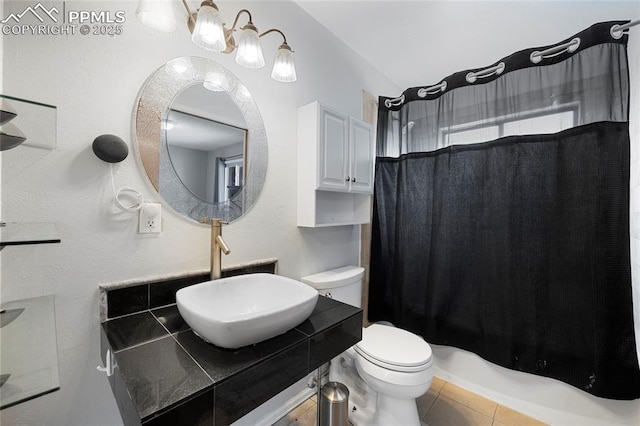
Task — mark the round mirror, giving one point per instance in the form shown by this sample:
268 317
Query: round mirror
200 139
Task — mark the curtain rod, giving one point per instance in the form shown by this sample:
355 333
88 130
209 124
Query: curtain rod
616 31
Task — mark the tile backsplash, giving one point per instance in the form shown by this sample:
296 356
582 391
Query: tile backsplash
118 299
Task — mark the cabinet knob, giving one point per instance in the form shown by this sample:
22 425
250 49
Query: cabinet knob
348 179
353 179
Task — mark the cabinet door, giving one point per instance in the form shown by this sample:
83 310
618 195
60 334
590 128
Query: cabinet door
334 151
361 156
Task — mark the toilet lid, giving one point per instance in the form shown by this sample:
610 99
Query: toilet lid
392 346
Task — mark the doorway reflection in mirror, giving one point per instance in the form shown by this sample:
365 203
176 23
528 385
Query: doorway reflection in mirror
207 156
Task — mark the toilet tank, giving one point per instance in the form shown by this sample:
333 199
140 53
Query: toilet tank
342 284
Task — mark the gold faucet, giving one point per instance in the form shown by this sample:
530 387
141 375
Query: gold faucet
218 246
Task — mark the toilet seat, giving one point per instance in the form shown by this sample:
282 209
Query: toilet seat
394 349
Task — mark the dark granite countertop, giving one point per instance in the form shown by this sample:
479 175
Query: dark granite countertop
168 372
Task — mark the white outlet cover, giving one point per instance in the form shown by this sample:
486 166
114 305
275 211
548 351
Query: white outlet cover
150 221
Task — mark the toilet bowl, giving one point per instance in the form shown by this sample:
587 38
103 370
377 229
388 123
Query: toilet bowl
387 370
397 365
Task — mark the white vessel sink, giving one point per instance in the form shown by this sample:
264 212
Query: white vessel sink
246 309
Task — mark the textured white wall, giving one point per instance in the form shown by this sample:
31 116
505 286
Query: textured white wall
94 82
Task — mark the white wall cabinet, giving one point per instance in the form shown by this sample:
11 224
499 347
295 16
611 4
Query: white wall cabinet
335 167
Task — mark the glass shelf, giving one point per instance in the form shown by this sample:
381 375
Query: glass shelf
28 350
36 120
14 233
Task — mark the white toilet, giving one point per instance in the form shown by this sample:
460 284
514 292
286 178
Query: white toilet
387 370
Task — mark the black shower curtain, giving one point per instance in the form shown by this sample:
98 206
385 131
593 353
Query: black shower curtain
515 248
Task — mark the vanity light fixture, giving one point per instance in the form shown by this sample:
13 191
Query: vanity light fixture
249 51
284 68
209 32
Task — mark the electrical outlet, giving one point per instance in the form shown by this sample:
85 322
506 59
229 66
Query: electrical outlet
150 218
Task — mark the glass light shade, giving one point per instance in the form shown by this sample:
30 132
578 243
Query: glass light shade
249 50
284 68
208 32
216 81
157 15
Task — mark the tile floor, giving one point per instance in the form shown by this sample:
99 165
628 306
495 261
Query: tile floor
445 404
